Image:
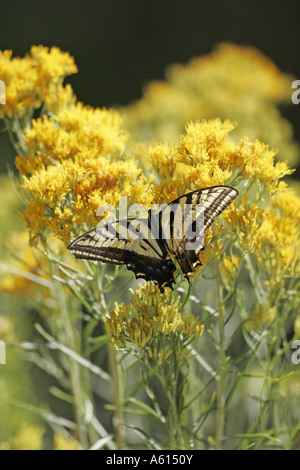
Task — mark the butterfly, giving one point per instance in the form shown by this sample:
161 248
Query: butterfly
151 246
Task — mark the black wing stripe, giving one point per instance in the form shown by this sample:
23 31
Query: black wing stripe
161 253
214 201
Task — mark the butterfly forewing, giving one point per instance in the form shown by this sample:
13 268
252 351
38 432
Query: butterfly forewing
199 209
128 242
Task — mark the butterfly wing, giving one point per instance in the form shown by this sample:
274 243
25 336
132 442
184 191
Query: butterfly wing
202 207
128 242
147 246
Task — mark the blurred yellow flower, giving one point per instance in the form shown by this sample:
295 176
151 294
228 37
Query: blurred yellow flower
26 272
297 326
28 437
22 266
271 234
279 236
229 268
6 326
245 219
234 82
262 315
62 442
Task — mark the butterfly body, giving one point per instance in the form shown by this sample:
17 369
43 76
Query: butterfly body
148 246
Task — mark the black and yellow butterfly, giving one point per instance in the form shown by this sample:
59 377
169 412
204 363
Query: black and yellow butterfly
148 246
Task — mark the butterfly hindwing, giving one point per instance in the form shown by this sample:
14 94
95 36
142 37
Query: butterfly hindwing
199 210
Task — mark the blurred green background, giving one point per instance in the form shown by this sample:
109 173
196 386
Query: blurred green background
119 45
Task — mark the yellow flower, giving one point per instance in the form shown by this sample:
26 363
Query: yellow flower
25 272
229 268
297 326
64 443
67 194
59 97
73 165
34 79
257 160
17 274
263 314
245 220
76 132
279 236
289 205
234 82
207 156
149 320
20 77
271 234
53 62
28 437
6 326
75 162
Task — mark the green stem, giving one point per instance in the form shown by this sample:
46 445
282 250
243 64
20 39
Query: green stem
118 393
221 379
268 413
75 375
175 422
176 438
16 134
116 375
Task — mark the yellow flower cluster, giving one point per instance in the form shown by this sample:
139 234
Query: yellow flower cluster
229 269
35 79
207 156
75 158
72 158
72 133
25 270
30 437
62 442
233 82
24 267
148 320
263 314
73 165
297 326
279 237
6 327
271 234
245 219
